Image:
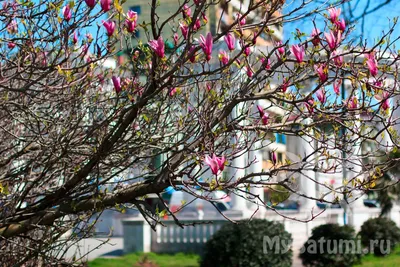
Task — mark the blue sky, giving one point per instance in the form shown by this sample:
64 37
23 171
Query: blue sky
373 26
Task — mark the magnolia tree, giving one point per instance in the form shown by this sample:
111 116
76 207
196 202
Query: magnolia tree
71 128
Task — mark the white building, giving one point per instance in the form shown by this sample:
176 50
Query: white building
295 211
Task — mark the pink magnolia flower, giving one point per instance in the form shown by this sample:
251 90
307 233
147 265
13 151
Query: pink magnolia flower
341 25
158 46
338 37
136 126
230 41
186 11
242 20
67 13
139 90
334 14
265 119
126 83
337 59
193 57
372 64
207 44
378 83
260 110
88 59
247 51
315 37
273 158
184 29
267 63
223 57
11 45
14 5
298 52
285 85
130 25
101 78
336 86
215 163
331 40
89 37
90 3
322 72
75 38
172 91
132 15
85 49
197 25
281 49
117 83
385 101
385 104
105 5
221 162
5 5
131 20
352 103
264 116
12 27
321 95
249 71
176 39
204 17
310 105
110 27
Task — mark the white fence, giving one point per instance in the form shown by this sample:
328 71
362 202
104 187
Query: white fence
171 238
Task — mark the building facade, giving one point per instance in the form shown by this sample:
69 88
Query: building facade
309 183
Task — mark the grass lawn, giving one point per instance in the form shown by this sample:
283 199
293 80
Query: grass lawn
191 260
393 260
161 260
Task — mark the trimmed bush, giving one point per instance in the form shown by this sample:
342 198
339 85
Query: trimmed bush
379 235
331 245
249 243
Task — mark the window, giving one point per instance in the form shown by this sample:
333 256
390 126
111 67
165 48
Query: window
157 162
280 138
225 175
266 155
136 9
280 157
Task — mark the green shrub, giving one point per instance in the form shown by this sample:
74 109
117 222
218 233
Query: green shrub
331 245
246 244
382 230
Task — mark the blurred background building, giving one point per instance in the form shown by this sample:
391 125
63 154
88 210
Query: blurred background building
309 183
